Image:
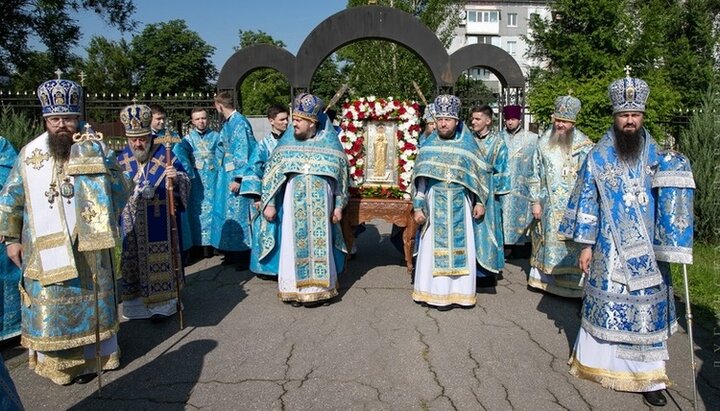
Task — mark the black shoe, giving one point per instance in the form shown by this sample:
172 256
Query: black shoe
487 281
84 379
267 277
296 303
445 307
158 318
654 398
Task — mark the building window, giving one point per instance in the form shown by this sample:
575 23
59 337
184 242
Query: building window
512 20
478 16
512 47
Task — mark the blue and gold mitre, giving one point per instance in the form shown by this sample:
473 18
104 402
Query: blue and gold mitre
307 106
567 108
448 106
429 114
136 119
59 98
628 94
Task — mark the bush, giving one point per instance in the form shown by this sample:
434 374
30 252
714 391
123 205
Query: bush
18 128
701 143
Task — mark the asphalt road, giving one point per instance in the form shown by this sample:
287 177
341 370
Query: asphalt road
374 348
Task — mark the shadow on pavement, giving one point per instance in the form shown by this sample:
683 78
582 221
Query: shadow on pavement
564 314
208 297
165 383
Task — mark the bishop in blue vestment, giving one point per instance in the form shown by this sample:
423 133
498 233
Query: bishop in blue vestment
616 212
149 281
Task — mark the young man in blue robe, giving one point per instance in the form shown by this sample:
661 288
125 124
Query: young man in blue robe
305 188
277 115
616 213
489 229
521 146
59 213
199 154
450 190
231 213
149 281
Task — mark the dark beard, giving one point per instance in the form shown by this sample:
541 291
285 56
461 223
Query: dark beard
628 144
59 145
562 140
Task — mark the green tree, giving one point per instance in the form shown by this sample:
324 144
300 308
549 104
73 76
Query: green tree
108 67
381 68
55 25
586 45
701 143
264 86
170 58
41 67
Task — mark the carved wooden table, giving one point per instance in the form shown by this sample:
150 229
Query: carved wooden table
395 211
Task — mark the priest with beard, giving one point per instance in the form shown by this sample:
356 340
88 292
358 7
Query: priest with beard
559 155
305 188
450 190
58 212
148 283
628 312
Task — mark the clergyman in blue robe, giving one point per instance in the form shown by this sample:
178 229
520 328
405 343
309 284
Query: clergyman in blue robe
9 272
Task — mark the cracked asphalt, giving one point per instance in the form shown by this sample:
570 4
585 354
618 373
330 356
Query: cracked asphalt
372 349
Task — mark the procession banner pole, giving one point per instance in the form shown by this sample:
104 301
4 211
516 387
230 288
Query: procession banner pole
336 97
422 97
689 317
167 140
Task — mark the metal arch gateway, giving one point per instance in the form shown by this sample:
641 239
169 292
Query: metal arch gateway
371 22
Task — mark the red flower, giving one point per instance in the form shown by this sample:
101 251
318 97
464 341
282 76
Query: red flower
409 146
358 172
402 111
351 127
352 161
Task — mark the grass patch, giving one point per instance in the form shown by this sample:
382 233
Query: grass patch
704 279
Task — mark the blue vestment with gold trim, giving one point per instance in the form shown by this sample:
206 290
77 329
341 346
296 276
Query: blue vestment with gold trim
146 255
9 272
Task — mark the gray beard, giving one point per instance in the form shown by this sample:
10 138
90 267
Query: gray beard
628 145
562 140
142 155
59 145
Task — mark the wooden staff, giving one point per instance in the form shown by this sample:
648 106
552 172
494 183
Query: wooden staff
422 98
168 140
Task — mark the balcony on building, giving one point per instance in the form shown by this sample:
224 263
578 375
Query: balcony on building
486 22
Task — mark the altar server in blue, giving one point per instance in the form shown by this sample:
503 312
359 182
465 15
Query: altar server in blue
560 153
618 216
59 210
148 283
305 188
521 145
450 190
252 185
489 229
199 155
231 214
9 272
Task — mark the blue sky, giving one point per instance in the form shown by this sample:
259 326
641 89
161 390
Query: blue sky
218 22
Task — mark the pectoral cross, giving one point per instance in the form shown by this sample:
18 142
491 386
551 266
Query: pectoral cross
306 169
52 193
157 163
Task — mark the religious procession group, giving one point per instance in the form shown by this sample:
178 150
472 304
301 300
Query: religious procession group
604 221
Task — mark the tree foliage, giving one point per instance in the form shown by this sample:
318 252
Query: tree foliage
701 143
108 67
264 86
587 44
170 58
52 23
382 68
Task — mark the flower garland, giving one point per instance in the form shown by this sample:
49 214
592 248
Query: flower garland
355 114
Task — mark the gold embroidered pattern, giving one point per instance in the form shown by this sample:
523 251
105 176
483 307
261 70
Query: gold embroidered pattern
37 158
619 381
